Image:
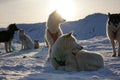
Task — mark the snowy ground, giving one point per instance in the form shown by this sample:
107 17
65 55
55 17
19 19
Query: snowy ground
33 65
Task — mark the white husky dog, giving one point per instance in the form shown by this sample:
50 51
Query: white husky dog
53 30
68 55
26 41
113 31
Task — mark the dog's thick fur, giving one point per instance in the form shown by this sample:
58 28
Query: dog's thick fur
53 30
6 36
36 44
68 55
26 41
113 31
89 61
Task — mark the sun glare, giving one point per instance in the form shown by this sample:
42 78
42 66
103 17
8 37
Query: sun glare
66 8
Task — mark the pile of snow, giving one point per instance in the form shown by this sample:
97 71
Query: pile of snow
89 27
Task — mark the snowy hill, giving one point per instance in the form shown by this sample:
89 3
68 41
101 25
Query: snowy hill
91 26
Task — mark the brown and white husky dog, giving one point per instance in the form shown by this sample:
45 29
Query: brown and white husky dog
113 31
26 41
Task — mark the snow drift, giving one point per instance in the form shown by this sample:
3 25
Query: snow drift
89 27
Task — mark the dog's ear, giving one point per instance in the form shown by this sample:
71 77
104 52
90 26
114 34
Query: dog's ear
14 23
108 14
69 34
55 12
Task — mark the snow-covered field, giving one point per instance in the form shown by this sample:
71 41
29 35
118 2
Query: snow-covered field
33 64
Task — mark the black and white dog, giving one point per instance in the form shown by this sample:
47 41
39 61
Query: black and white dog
113 31
6 36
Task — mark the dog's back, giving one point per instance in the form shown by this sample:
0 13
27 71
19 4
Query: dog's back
8 34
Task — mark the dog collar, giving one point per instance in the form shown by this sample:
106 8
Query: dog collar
53 35
23 37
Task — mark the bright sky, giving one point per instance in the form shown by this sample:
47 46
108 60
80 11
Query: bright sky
33 11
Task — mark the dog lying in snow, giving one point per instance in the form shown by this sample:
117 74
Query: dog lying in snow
53 30
6 36
68 55
26 41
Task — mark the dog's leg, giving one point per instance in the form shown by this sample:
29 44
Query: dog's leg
49 49
119 49
6 46
49 53
46 42
22 46
113 46
9 45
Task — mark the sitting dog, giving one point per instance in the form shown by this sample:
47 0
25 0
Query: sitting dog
36 44
26 41
53 30
7 36
68 55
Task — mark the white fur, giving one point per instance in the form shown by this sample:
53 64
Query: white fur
53 25
26 41
67 49
89 61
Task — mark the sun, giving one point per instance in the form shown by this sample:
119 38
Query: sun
66 8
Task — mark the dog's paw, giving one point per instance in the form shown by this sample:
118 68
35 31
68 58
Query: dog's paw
114 55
